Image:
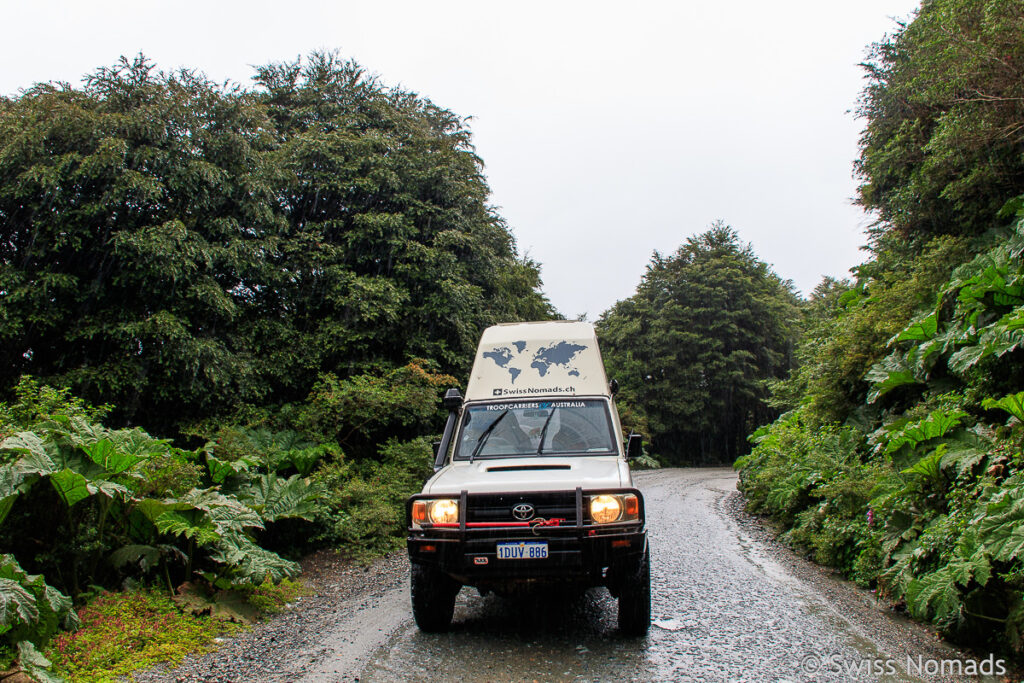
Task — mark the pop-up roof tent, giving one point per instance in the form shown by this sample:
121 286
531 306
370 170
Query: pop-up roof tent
523 360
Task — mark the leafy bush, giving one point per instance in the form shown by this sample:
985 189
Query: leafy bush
364 511
87 505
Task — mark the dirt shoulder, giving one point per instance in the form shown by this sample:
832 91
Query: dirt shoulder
873 617
316 633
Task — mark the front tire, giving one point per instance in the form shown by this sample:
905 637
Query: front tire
433 598
635 597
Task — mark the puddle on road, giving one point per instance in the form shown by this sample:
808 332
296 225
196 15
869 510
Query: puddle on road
552 637
669 624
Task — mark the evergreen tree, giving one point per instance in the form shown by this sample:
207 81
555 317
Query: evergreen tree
694 347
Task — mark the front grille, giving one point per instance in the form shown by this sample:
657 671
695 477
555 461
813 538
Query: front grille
483 507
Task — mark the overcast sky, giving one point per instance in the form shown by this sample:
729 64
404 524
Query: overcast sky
608 129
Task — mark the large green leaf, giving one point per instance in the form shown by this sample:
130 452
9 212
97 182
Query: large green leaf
921 329
39 457
934 594
153 508
220 470
225 512
251 563
16 604
275 498
70 486
35 664
196 527
106 454
1013 404
1000 522
936 424
890 373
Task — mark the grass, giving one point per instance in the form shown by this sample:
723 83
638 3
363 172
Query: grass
123 632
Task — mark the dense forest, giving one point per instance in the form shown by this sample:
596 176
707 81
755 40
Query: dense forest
227 318
185 251
899 458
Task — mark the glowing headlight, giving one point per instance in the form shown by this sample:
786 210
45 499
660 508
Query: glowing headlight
444 511
605 509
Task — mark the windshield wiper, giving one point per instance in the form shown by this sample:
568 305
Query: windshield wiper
482 439
544 430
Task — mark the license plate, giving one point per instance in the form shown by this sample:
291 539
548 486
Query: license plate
533 550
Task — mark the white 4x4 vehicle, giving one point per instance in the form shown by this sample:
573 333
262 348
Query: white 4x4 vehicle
531 482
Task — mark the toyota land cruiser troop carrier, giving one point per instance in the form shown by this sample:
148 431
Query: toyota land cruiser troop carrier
531 483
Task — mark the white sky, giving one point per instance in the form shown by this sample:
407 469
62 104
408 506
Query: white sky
608 129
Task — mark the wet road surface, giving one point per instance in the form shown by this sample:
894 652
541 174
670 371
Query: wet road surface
726 607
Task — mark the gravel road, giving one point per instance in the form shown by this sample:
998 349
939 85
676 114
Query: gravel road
729 605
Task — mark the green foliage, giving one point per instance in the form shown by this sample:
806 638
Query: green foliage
365 501
694 347
30 609
1013 404
939 522
849 327
188 250
913 357
941 150
88 505
271 597
358 412
128 631
974 327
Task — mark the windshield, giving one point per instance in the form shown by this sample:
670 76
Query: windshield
535 428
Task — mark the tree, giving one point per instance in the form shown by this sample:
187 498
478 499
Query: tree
943 148
694 347
183 249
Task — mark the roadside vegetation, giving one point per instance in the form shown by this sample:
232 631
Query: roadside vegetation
899 458
227 315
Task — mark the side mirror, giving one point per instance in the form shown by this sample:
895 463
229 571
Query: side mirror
613 386
436 445
634 446
452 401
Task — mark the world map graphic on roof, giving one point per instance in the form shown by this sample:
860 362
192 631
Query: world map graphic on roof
561 354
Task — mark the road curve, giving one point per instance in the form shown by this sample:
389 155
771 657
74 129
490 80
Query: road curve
729 605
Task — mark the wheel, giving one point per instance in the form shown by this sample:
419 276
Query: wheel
433 598
635 597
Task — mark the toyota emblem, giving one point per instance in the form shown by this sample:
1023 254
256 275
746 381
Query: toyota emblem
523 512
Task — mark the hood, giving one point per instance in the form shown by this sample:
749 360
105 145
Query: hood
530 474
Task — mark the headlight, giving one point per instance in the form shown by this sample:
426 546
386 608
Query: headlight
442 511
607 508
